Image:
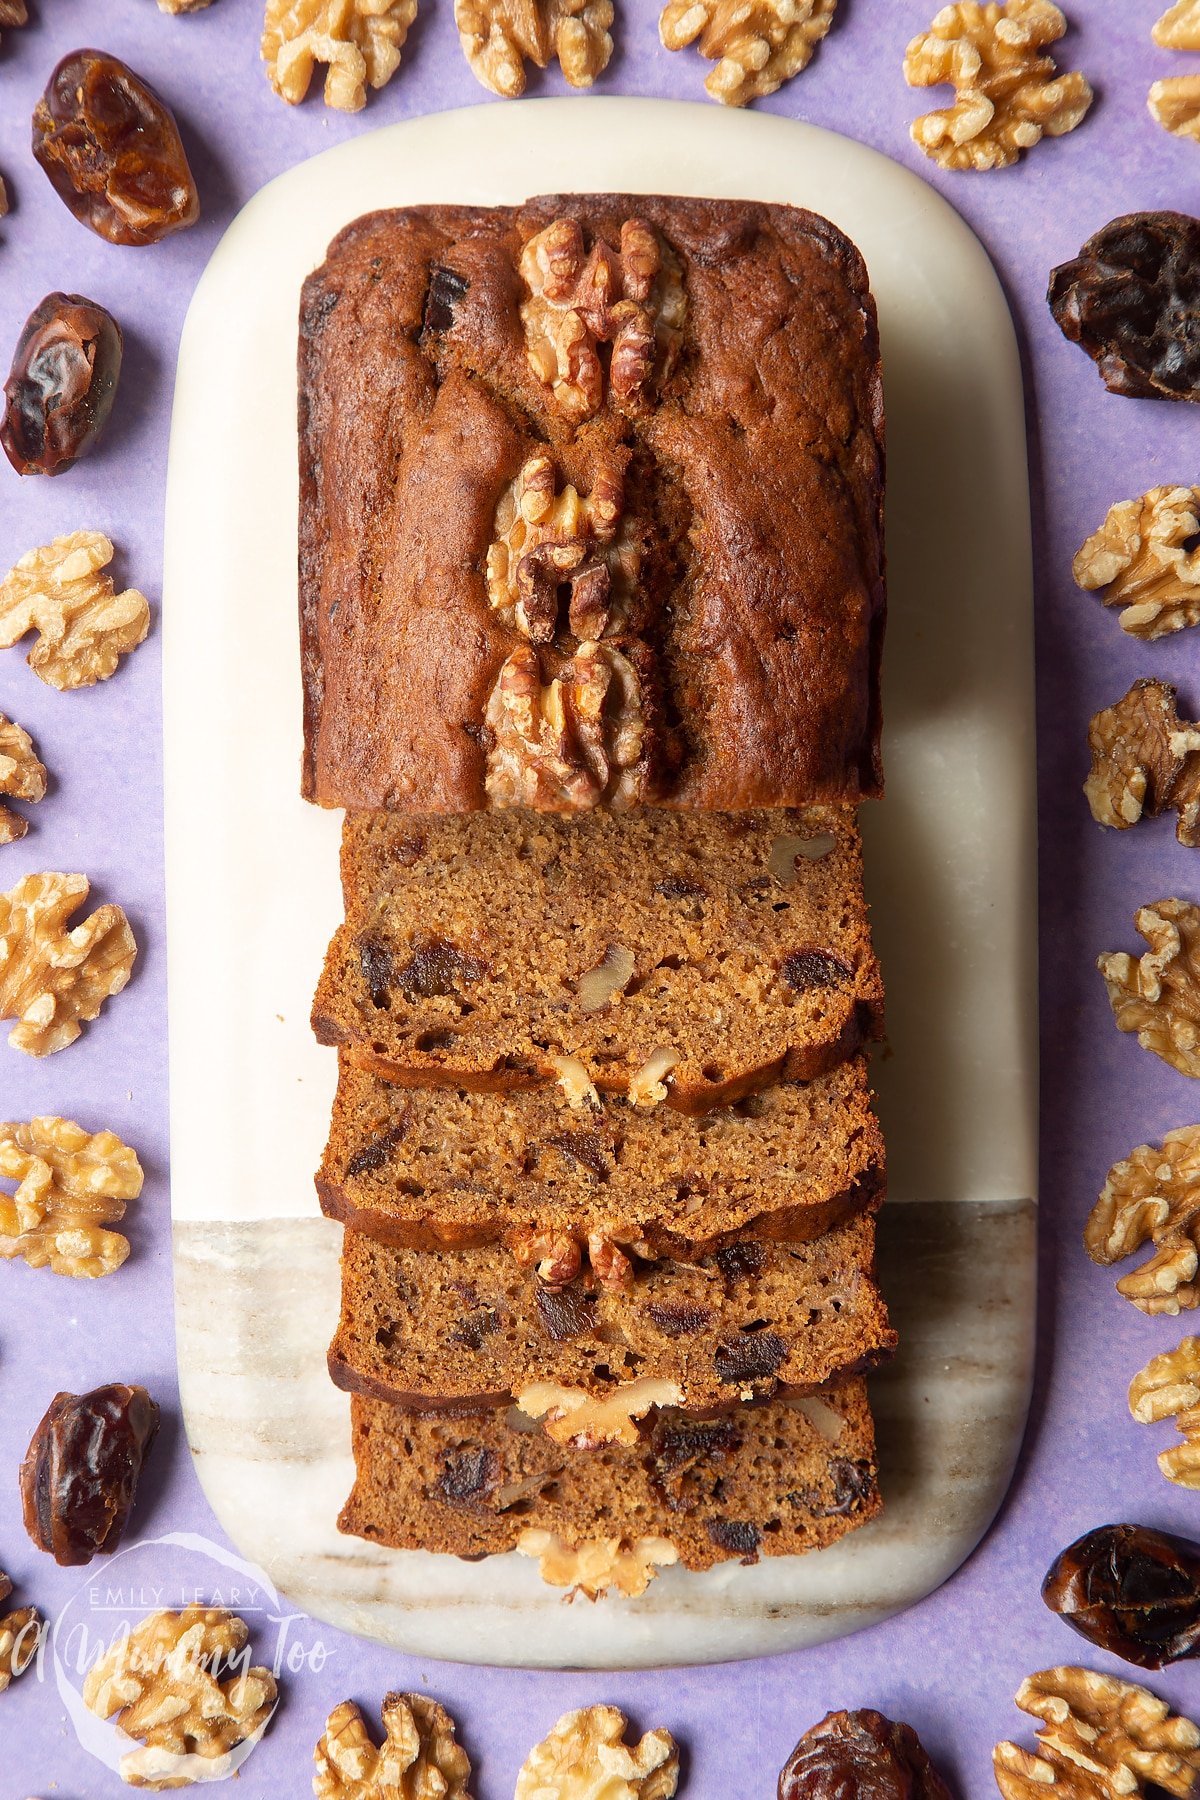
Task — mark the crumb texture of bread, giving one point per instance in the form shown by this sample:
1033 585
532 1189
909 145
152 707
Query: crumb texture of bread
717 952
775 1479
742 576
419 1326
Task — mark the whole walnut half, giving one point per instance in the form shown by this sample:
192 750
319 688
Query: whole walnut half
81 1471
1130 1590
61 386
112 151
860 1755
1131 300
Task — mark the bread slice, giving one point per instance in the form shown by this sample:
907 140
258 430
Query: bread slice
775 1479
422 1328
689 957
431 1168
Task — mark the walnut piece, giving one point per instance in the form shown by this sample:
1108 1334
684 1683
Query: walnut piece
359 41
20 1636
757 45
572 1416
1140 560
611 976
631 298
71 1185
418 1760
574 742
180 1683
1169 1387
1179 27
547 542
1152 1197
1101 1738
586 1757
55 978
499 36
1145 759
578 1088
647 1085
1174 103
182 6
84 626
1157 995
1007 93
22 777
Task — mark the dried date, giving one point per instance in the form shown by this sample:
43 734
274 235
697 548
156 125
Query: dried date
61 386
1130 1590
860 1756
81 1471
1131 300
112 151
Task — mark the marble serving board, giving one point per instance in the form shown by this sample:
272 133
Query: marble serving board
253 897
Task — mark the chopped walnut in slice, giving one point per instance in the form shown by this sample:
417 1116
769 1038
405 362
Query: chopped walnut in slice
1008 94
499 36
71 1185
20 1636
84 626
359 41
574 742
571 1415
419 1759
578 1088
1153 1197
1101 1738
179 1682
1157 995
579 298
648 1085
552 546
1174 103
757 45
22 777
1169 1388
1145 760
54 978
1143 559
586 1757
557 1256
1179 27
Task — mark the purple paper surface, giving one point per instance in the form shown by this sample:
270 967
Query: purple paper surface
952 1664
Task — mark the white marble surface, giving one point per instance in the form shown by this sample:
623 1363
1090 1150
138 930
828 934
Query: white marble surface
252 877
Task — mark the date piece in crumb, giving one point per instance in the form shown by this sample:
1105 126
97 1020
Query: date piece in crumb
585 1757
756 46
1169 1388
22 777
1152 1196
359 41
1130 1590
81 1471
1157 995
55 977
1145 761
62 384
1100 1739
860 1754
1008 93
419 1759
112 151
1131 301
84 625
179 1683
1144 559
71 1185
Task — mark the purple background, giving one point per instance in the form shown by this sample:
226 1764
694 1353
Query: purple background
952 1664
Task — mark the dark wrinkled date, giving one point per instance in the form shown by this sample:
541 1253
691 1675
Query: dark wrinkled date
1130 1590
60 388
860 1756
112 151
1131 300
81 1470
